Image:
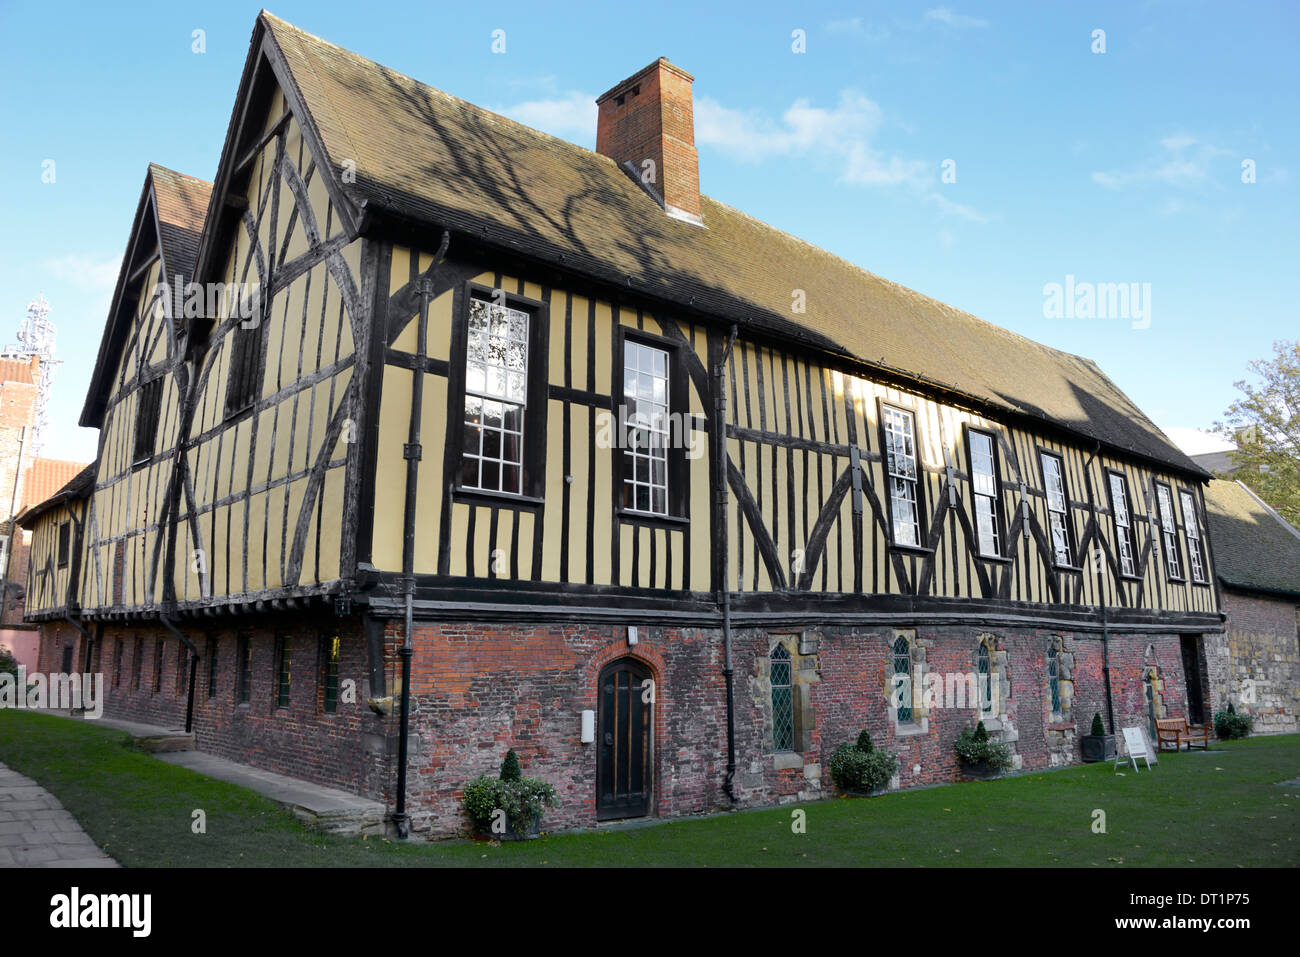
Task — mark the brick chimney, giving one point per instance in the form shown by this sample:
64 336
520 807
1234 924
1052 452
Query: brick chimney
647 121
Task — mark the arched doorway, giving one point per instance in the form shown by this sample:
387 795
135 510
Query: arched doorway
625 735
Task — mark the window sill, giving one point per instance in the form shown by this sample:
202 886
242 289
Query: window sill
787 761
909 730
996 558
634 517
502 498
1177 580
1068 568
1201 584
915 549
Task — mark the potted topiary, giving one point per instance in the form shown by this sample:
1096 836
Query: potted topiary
1098 745
861 769
1232 724
508 807
981 759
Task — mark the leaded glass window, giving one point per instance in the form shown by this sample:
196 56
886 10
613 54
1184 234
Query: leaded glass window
645 402
1054 678
1057 512
1169 531
1123 523
985 674
496 387
283 666
1195 555
900 453
244 679
332 675
212 667
984 484
157 665
781 673
903 666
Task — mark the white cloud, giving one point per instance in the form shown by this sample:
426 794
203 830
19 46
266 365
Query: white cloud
570 117
1184 162
84 272
1197 441
947 16
858 27
839 137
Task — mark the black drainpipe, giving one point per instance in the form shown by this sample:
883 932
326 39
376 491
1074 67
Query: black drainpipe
724 594
1101 594
194 668
412 454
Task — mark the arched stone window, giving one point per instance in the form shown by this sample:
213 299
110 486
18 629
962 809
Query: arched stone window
984 680
902 659
782 678
1054 679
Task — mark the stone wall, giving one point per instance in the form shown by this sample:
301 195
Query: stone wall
1257 660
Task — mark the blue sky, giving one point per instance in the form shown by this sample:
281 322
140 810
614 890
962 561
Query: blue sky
1115 167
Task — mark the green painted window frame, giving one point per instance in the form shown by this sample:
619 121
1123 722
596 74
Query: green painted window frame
902 655
781 676
332 653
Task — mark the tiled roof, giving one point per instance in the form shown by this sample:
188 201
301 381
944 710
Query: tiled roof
182 205
78 486
45 477
1253 546
431 157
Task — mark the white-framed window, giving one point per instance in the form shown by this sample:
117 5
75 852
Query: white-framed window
496 390
984 674
645 447
1168 530
4 553
1057 507
984 485
1195 553
1123 523
900 463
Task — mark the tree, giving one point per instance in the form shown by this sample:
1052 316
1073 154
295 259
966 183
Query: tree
1265 423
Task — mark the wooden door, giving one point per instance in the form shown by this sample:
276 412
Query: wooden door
1191 647
624 732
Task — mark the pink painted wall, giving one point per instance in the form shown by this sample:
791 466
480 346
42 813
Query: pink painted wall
23 645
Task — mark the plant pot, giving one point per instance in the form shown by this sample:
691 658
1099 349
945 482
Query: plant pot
978 772
857 793
1097 747
524 832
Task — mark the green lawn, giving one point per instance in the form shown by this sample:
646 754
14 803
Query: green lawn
1221 809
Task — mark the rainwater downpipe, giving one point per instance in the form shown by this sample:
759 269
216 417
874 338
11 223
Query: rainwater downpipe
412 453
1101 594
724 594
194 669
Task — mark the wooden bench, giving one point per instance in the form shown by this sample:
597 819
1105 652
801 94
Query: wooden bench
1173 732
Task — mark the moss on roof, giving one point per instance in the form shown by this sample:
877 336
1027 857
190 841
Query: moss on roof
1253 546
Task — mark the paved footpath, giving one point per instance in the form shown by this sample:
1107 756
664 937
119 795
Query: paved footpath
35 830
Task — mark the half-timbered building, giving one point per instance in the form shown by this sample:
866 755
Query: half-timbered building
483 431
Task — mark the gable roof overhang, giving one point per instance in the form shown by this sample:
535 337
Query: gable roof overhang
165 226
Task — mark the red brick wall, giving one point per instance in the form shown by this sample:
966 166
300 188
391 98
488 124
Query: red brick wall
346 749
480 689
